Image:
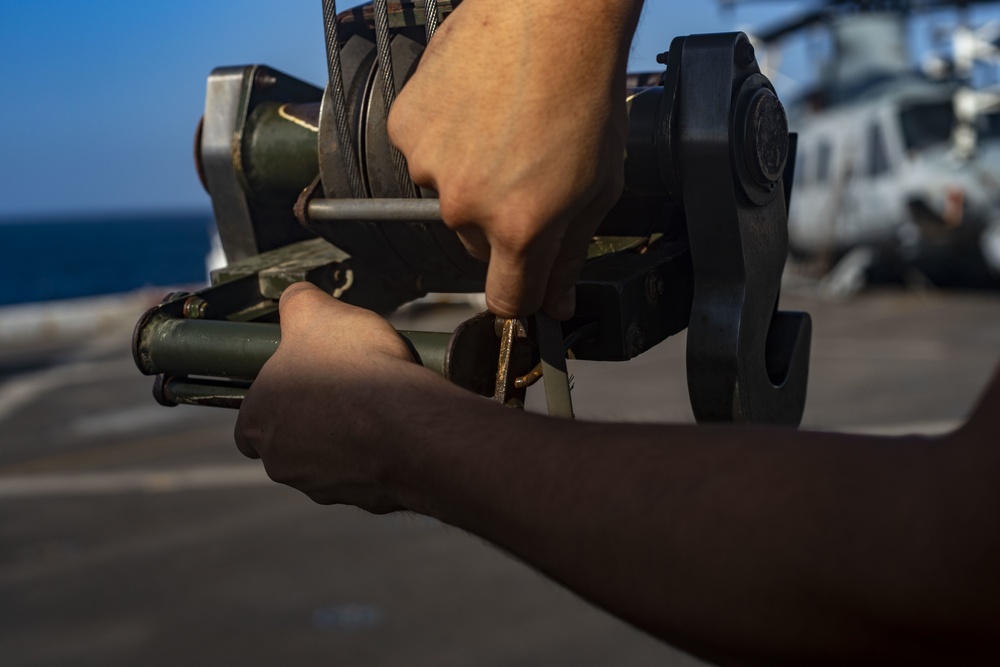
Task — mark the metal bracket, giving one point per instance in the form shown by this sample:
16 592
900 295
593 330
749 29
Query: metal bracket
746 361
246 226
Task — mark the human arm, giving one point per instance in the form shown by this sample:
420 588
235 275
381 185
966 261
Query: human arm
742 545
516 116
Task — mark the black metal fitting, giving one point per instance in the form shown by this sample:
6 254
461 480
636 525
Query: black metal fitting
766 137
745 54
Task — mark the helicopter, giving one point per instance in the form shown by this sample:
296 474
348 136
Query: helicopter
898 167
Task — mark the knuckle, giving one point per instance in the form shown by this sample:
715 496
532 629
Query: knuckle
420 174
503 305
396 124
523 242
477 248
507 304
514 235
455 209
516 242
295 294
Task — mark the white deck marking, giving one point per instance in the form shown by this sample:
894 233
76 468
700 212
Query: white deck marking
119 422
20 391
939 427
134 481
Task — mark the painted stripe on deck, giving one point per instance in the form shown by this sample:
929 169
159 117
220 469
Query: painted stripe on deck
939 427
134 481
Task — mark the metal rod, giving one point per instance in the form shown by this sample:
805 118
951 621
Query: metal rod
376 210
554 373
432 19
215 348
336 83
383 49
192 391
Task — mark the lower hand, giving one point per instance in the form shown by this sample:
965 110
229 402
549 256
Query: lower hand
312 413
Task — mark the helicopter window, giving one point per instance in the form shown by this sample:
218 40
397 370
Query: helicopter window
878 156
989 125
927 124
823 154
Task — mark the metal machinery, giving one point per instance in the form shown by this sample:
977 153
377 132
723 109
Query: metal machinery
305 186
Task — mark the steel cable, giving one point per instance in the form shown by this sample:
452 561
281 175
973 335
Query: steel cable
384 54
431 14
336 83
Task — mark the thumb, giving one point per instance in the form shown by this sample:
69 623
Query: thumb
515 281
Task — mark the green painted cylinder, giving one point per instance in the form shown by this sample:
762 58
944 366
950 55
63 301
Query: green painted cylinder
212 348
279 153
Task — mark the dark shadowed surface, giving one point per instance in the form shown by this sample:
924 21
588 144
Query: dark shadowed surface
135 534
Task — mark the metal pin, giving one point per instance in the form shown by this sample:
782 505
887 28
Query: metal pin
376 210
504 382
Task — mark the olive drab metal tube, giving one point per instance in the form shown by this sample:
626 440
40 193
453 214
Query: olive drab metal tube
179 347
171 391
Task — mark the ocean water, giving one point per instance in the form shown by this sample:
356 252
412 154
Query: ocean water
45 260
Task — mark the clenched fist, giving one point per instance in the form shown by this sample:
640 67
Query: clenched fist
516 116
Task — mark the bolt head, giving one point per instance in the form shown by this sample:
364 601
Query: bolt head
766 135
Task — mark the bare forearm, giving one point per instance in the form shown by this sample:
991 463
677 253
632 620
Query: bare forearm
744 545
545 28
732 543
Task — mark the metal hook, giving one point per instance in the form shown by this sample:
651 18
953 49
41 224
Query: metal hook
747 361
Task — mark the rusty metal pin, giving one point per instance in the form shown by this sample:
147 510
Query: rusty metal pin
505 379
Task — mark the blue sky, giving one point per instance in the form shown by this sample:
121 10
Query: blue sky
102 96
